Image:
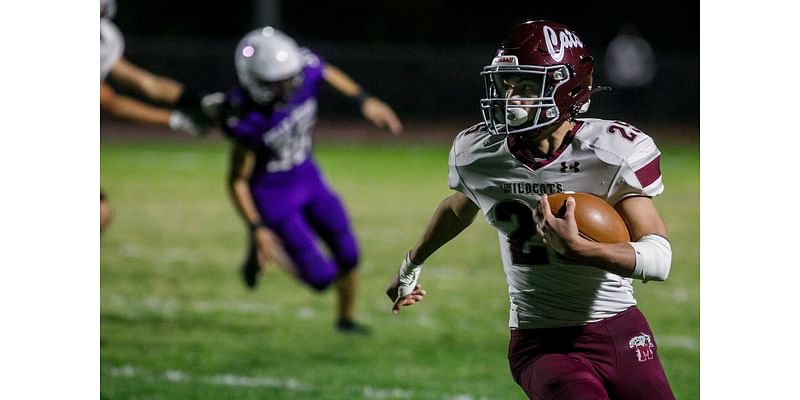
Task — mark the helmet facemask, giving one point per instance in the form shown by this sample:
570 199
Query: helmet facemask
521 98
266 92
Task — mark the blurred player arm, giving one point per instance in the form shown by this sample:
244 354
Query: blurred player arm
648 249
373 109
157 88
154 87
125 107
270 248
454 214
242 164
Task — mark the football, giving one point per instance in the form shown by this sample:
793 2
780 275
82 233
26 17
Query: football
596 219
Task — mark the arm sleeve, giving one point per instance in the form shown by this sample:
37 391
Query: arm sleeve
112 46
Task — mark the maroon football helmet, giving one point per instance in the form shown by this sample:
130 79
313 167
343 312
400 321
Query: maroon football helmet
557 69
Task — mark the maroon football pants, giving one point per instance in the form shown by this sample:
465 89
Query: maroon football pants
611 359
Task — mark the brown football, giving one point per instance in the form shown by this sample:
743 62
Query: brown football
596 219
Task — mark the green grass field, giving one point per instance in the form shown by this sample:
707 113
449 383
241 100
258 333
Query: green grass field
177 323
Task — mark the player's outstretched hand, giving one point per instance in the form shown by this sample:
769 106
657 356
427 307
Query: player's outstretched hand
404 289
180 121
415 295
380 114
211 104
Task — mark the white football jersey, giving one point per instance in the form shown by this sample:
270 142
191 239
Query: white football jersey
610 159
112 45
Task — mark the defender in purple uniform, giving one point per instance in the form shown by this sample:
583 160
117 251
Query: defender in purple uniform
275 183
576 332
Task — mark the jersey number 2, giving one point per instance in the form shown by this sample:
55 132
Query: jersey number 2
627 131
524 250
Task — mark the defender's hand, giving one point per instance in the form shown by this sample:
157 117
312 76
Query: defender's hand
180 121
211 104
380 114
270 248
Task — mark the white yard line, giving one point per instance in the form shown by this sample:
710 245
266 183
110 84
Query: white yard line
178 376
379 393
683 342
290 384
168 306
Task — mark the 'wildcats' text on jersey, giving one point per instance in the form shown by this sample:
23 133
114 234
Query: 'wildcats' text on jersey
610 159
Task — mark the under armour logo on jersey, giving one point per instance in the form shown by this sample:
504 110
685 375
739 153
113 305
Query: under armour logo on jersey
566 167
643 347
564 40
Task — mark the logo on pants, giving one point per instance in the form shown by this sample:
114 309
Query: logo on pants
643 346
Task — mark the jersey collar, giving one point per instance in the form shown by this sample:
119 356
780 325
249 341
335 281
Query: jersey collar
520 148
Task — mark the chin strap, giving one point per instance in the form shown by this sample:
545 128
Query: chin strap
599 88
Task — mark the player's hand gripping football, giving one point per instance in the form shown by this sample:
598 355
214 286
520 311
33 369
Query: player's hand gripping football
559 233
404 289
380 114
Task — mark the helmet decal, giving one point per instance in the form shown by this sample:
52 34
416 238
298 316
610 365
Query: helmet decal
564 40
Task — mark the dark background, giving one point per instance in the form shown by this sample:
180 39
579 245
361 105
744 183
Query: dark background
421 56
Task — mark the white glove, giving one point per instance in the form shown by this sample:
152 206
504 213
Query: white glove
179 121
408 276
212 104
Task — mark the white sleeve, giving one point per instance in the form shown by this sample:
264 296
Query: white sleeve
653 258
112 45
454 178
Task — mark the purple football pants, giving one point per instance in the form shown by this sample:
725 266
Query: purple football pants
611 359
300 208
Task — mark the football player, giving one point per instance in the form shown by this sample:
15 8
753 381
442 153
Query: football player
182 110
274 181
576 332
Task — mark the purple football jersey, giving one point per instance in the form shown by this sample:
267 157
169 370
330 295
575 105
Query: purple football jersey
280 135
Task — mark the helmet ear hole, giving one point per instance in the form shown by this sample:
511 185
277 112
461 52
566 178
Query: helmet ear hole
575 91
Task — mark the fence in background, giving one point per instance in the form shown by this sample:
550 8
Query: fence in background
425 82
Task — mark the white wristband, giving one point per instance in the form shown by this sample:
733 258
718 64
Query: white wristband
408 276
653 258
